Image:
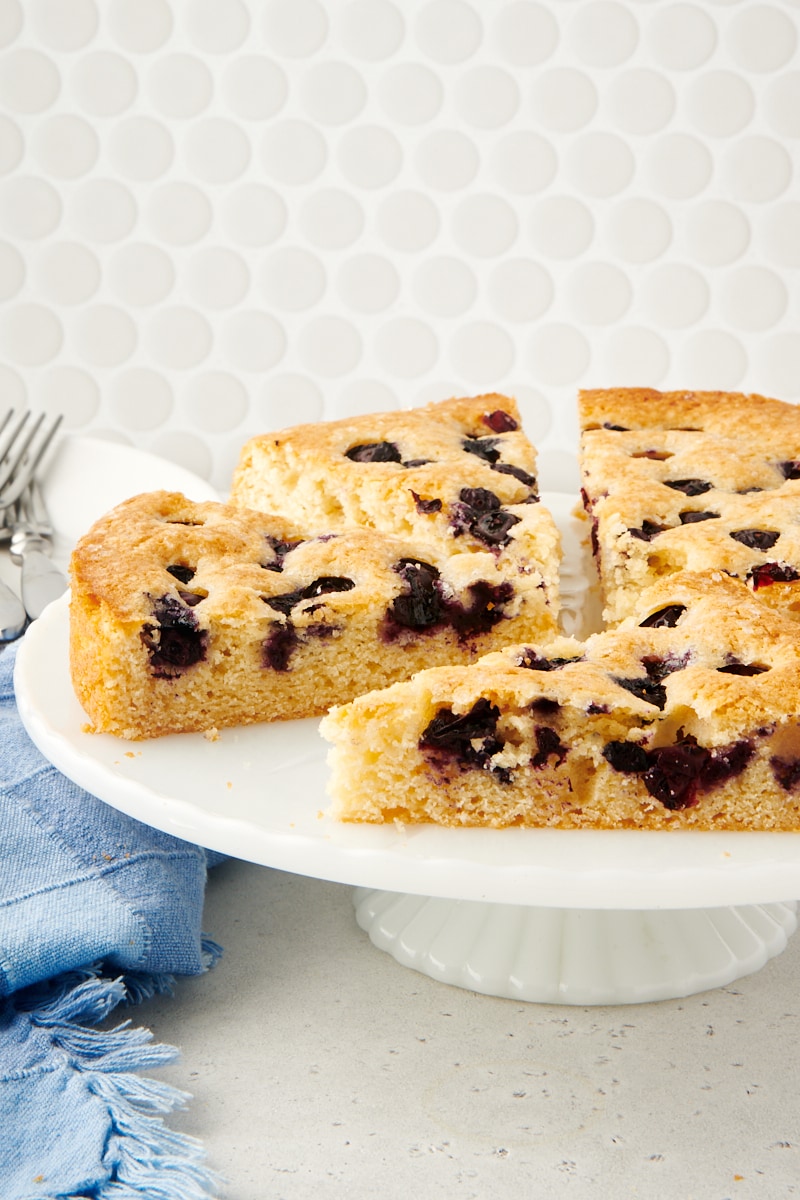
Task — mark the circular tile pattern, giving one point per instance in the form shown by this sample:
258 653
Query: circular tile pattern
216 214
368 283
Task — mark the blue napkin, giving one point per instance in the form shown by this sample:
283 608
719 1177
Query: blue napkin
96 910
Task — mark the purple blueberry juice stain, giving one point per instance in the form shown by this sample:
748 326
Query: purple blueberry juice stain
786 772
278 648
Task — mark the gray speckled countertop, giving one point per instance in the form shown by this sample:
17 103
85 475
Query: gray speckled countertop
320 1067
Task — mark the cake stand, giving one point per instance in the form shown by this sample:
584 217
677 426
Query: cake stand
559 916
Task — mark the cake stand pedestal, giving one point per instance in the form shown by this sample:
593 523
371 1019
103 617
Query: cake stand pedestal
571 955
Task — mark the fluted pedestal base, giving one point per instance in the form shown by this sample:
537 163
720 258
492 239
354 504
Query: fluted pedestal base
574 956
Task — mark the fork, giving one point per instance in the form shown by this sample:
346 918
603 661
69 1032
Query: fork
22 447
31 535
17 465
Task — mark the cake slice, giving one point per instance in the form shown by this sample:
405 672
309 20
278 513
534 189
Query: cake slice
685 716
193 616
693 481
459 475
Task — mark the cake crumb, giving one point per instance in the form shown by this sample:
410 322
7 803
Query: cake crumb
212 734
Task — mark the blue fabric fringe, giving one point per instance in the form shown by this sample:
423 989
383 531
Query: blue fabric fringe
141 1158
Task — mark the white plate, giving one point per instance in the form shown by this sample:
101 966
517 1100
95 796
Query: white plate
258 793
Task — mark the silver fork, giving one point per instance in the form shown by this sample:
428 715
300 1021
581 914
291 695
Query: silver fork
23 444
31 536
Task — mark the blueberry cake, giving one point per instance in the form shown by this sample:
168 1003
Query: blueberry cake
686 715
194 616
691 481
459 476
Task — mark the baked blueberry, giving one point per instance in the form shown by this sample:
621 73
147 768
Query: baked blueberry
469 739
665 618
536 662
648 531
280 549
182 573
500 421
772 572
649 690
174 641
674 773
756 539
517 472
420 606
372 452
424 505
548 743
479 512
626 757
692 516
740 668
483 447
689 487
285 602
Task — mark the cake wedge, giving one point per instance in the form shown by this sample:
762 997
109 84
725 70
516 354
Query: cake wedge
192 616
459 475
686 716
691 481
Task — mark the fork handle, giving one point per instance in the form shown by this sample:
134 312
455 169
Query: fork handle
40 582
13 617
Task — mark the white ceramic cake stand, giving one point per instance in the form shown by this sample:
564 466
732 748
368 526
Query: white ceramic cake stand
560 916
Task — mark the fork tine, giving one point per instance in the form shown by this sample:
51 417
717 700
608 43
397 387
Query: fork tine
17 471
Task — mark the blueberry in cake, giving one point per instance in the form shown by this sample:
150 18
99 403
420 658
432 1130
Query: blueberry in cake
188 616
686 715
459 476
691 481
